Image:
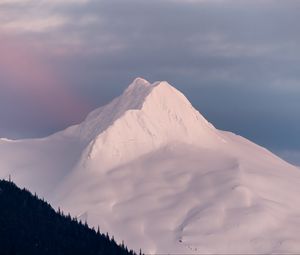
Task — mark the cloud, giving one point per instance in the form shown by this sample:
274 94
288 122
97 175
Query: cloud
238 61
13 2
34 25
28 16
30 89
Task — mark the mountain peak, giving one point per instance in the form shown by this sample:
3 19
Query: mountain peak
138 83
142 84
158 110
140 91
141 81
145 117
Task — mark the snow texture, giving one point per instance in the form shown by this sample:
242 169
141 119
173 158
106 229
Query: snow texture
151 170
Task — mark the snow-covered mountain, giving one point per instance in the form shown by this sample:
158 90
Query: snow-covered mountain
150 169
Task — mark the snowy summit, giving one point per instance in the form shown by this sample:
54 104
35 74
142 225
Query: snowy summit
149 168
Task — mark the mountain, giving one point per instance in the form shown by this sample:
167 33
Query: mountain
150 169
28 225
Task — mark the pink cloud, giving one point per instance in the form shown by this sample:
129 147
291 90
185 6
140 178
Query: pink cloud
34 80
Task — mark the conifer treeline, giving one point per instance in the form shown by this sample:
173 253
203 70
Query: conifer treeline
29 225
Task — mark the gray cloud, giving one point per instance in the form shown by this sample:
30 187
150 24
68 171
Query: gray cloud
238 61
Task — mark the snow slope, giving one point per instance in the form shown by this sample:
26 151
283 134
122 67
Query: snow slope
149 169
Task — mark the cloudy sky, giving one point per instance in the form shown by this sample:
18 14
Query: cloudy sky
238 62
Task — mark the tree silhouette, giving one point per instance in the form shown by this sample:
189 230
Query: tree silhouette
29 225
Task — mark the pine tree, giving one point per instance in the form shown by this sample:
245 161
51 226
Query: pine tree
30 226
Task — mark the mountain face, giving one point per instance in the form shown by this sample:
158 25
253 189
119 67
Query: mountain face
29 225
144 118
150 169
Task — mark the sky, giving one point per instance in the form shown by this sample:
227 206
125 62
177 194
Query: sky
237 61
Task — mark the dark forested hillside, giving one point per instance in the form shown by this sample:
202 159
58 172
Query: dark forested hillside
29 225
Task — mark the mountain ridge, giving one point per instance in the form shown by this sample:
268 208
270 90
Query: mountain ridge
145 117
140 95
151 165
